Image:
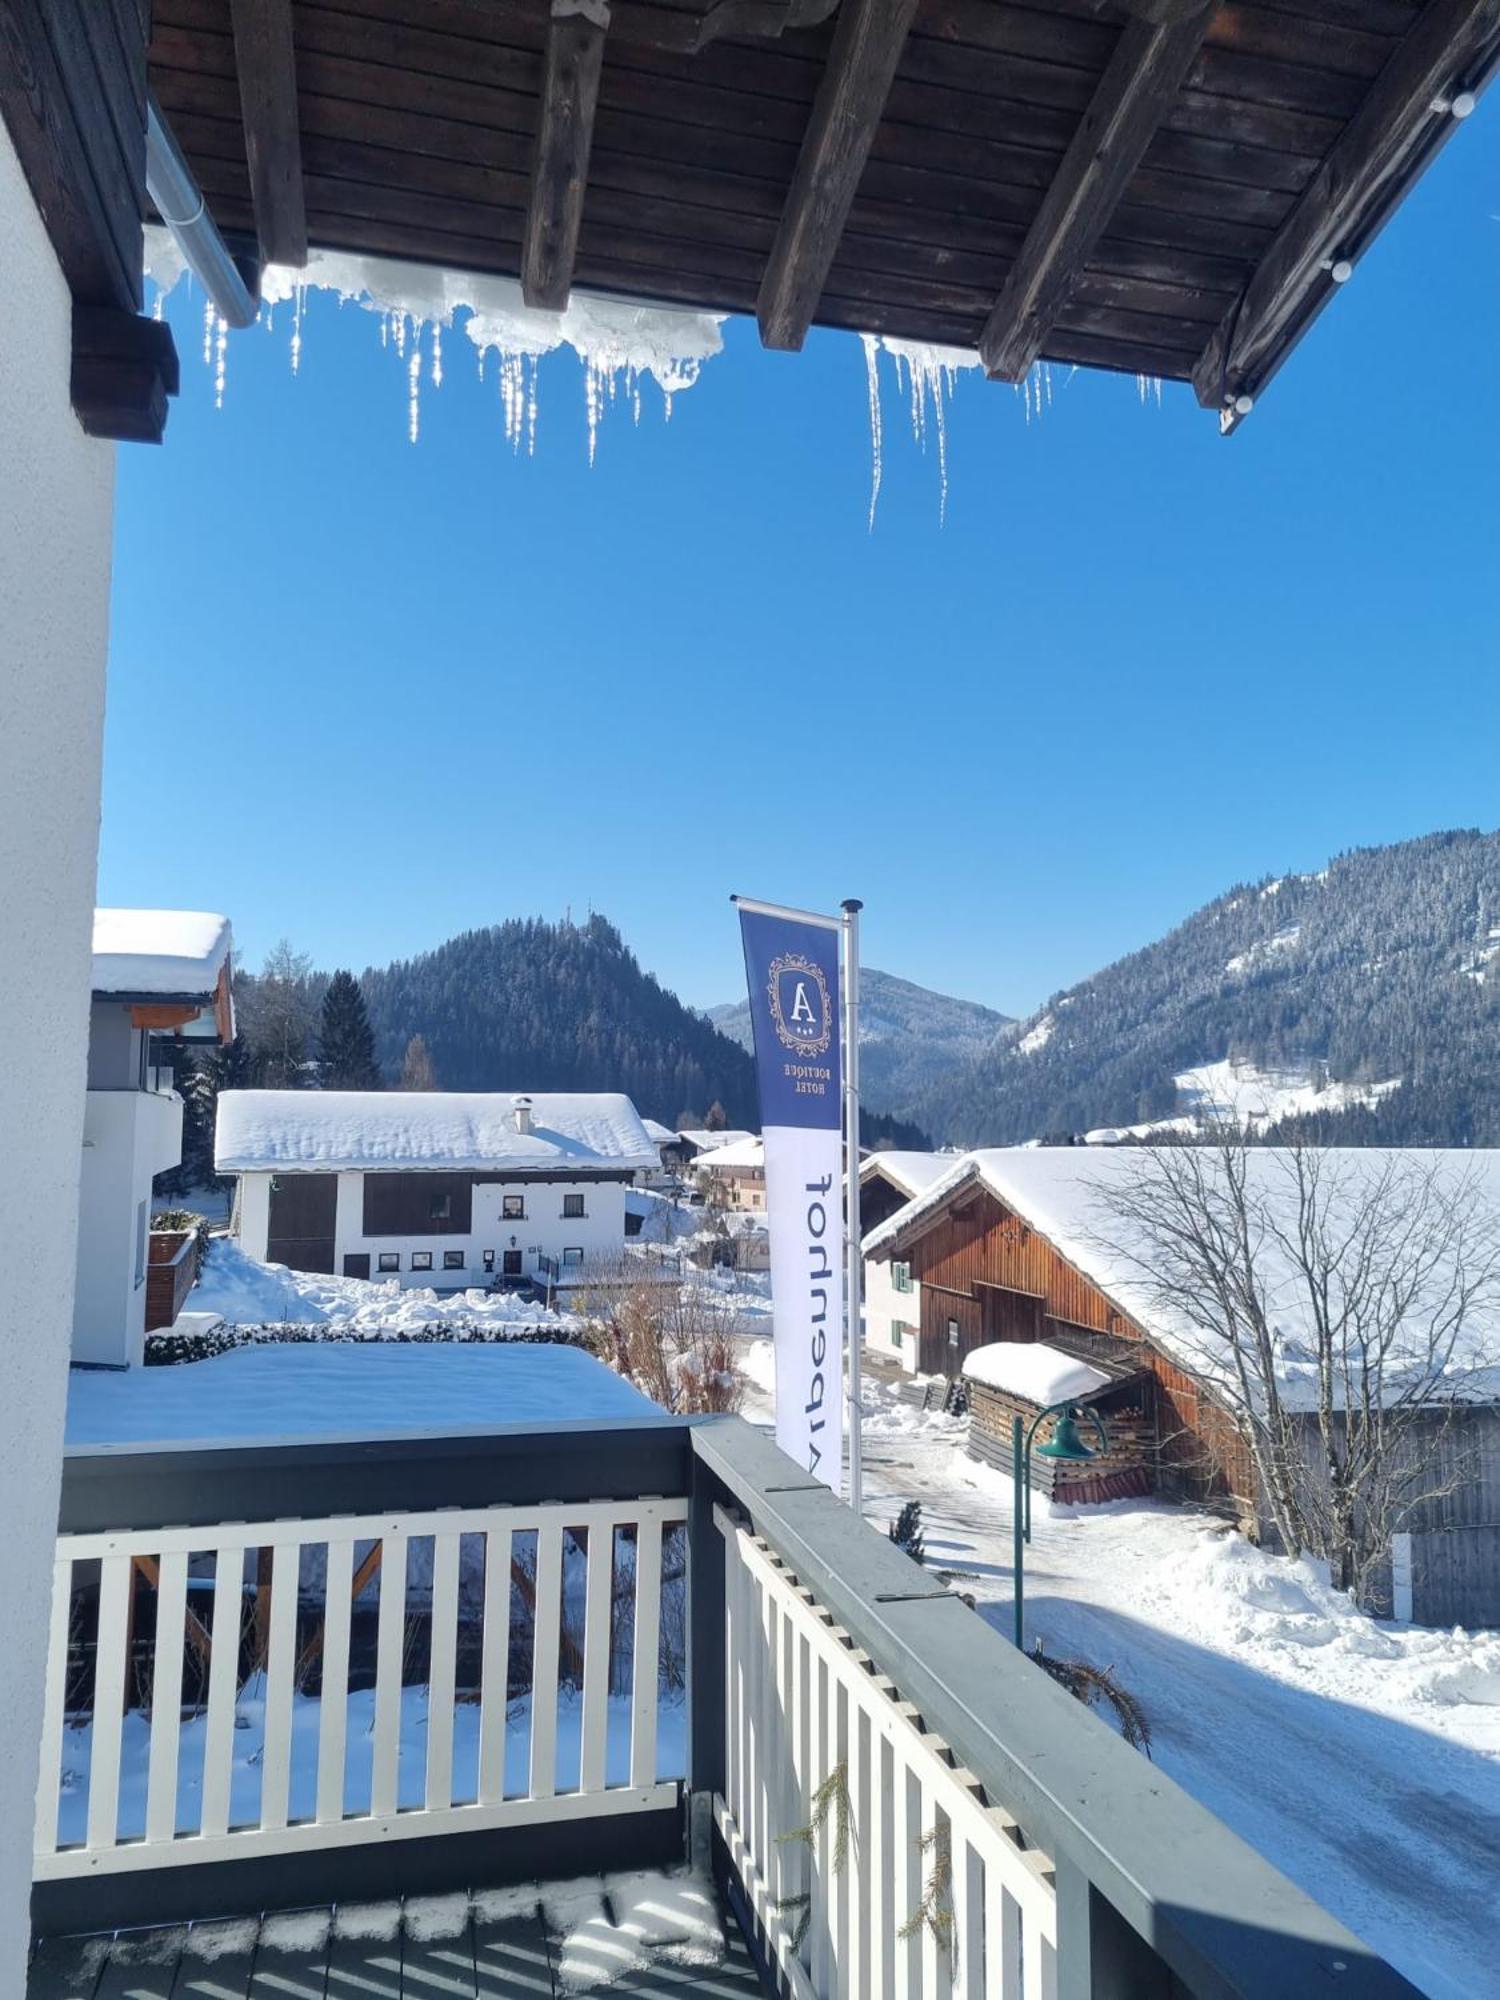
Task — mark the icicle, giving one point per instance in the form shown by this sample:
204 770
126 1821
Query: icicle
209 317
871 344
401 334
298 298
531 403
437 355
414 391
160 305
221 360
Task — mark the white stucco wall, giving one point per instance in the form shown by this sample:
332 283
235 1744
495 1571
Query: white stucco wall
56 507
543 1231
884 1308
129 1136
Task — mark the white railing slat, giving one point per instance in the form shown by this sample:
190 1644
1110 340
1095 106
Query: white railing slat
166 1696
598 1603
49 1781
906 1863
333 1705
646 1651
819 1764
281 1668
390 1646
494 1665
442 1671
548 1631
223 1687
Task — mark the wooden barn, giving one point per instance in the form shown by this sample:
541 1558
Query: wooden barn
985 1273
1013 1254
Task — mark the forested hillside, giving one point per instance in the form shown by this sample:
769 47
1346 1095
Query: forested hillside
1383 966
539 1006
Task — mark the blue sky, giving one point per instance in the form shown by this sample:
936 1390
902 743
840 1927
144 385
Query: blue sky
365 694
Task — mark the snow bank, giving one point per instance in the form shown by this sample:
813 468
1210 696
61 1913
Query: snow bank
469 1131
1035 1371
159 951
241 1291
328 1389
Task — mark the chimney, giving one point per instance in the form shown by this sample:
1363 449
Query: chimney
522 1107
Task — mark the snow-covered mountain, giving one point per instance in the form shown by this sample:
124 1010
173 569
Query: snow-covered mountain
1360 1003
912 1041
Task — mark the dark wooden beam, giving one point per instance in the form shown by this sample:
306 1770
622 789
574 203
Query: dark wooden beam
71 78
124 369
266 60
1453 46
1139 84
560 165
868 38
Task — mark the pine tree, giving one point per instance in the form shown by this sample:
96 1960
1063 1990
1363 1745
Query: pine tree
346 1041
906 1531
417 1072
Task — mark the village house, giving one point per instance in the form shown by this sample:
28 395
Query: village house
893 1299
433 1188
159 976
671 1155
734 1175
1033 1290
695 1140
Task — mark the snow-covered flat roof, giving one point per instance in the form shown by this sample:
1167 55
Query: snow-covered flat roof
1064 1193
167 952
1031 1369
281 1393
911 1172
280 1131
741 1153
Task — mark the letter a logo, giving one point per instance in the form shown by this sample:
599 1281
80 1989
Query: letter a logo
802 1007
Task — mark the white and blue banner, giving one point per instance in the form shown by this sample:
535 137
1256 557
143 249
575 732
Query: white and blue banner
792 963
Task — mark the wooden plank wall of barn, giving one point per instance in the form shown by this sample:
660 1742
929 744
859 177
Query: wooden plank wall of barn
979 1243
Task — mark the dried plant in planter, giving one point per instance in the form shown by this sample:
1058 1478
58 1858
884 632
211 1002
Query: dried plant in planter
1096 1687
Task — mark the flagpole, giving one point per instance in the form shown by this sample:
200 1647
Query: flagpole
852 908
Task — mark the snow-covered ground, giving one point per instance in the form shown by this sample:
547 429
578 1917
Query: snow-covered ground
1362 1758
244 1292
1237 1093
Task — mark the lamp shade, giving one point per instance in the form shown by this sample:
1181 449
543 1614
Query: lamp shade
1065 1443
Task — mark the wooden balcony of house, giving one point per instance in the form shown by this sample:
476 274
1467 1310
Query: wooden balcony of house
173 1257
410 1717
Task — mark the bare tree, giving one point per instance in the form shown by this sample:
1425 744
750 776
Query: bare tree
282 1017
671 1334
1344 1304
417 1072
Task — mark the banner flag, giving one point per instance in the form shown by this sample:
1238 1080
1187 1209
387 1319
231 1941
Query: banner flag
792 964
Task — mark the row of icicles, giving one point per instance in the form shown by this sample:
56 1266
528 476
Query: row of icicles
927 378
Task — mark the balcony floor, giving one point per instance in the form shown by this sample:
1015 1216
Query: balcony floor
304 1956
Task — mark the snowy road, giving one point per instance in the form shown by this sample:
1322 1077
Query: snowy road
1363 1759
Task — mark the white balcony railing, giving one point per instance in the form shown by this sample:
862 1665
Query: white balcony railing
903 1880
240 1728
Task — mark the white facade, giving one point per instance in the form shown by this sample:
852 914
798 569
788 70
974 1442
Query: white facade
893 1312
573 1243
56 504
129 1137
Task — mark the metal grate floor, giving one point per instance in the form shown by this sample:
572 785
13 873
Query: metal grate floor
314 1955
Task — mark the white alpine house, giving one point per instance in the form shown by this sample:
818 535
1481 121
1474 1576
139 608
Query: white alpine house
893 1297
432 1188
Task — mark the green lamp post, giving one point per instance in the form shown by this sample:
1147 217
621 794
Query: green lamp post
1064 1446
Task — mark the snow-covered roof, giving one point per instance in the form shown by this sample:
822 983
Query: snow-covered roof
659 1134
1063 1192
911 1172
1031 1369
279 1131
323 1389
742 1155
704 1141
171 953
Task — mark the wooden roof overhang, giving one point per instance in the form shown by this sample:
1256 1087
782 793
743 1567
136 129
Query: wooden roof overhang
1167 187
